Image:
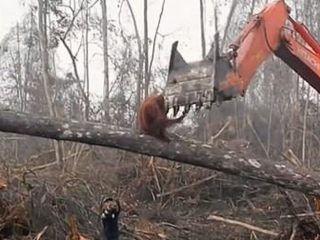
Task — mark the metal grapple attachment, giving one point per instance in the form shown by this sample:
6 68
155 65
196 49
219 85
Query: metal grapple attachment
195 83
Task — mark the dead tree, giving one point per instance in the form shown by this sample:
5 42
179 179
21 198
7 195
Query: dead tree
42 11
197 154
106 87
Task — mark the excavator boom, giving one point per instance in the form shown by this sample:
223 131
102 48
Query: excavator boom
303 58
223 76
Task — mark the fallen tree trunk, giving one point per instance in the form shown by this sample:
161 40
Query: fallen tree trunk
201 155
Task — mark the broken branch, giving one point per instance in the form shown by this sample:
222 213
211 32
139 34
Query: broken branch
242 224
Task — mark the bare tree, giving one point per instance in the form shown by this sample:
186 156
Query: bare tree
86 56
73 56
146 50
140 67
203 39
42 11
230 15
19 72
155 36
105 59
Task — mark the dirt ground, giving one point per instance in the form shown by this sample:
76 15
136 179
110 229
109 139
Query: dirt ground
159 200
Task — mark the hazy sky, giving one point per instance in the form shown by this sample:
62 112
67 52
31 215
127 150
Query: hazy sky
180 22
10 12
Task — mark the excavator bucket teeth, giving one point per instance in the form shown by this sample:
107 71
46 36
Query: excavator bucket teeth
188 83
197 82
187 108
220 77
175 110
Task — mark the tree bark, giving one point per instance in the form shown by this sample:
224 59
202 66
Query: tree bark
202 155
86 59
304 136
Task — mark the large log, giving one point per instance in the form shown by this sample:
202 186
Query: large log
201 155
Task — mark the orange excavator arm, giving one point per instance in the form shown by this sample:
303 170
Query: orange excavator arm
300 51
221 77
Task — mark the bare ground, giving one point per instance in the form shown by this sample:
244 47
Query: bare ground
159 199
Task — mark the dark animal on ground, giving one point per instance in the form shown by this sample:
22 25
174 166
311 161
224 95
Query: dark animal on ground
110 210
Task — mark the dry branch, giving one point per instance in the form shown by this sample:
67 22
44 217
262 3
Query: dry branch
174 191
242 224
309 214
201 155
40 234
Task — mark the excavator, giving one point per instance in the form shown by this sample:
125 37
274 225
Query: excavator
220 77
